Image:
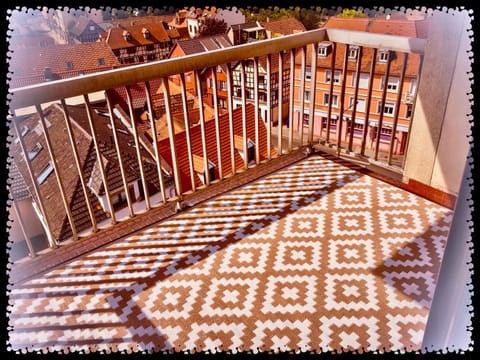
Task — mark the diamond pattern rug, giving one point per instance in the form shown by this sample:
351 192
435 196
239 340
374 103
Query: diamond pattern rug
316 256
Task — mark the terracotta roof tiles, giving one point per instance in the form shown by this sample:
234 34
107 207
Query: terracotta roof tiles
284 26
60 58
116 40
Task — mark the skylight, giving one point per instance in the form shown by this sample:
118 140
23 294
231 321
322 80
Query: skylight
46 171
34 152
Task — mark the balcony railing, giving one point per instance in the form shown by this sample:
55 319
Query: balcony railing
185 156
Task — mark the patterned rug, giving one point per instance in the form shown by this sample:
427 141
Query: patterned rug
316 256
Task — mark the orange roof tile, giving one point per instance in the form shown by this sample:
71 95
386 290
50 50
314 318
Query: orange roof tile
284 26
116 40
196 142
60 58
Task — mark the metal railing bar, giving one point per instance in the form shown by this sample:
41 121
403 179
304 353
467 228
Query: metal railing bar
368 102
341 102
280 103
206 171
137 148
355 99
257 110
120 159
230 116
76 157
99 155
217 122
313 92
187 131
158 159
291 99
382 109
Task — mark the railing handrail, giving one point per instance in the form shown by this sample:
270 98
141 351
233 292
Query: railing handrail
109 79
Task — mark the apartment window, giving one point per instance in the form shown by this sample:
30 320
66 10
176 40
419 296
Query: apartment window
261 81
323 49
360 104
336 76
92 28
383 56
101 61
326 99
46 171
308 73
306 119
388 109
35 150
352 53
69 65
210 83
222 85
307 96
409 111
362 83
392 84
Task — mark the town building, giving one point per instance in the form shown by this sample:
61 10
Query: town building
85 30
197 46
139 43
246 32
348 89
265 80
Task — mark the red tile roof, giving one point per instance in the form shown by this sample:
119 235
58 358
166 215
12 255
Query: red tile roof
196 141
284 26
63 153
116 40
82 57
392 26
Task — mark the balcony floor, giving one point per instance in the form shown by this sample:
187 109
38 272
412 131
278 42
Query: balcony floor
314 256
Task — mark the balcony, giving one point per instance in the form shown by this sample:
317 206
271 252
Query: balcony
251 229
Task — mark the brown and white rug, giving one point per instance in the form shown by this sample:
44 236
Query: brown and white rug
316 256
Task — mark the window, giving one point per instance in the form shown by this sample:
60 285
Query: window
92 28
408 112
362 83
392 84
250 150
211 172
69 65
388 109
323 49
222 85
101 61
383 56
24 131
306 119
308 73
307 96
35 150
360 104
352 52
336 77
326 99
46 171
222 102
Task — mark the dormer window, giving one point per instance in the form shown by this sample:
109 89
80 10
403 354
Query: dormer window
352 52
324 49
101 61
250 148
146 33
127 36
92 28
34 152
69 65
198 167
383 56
